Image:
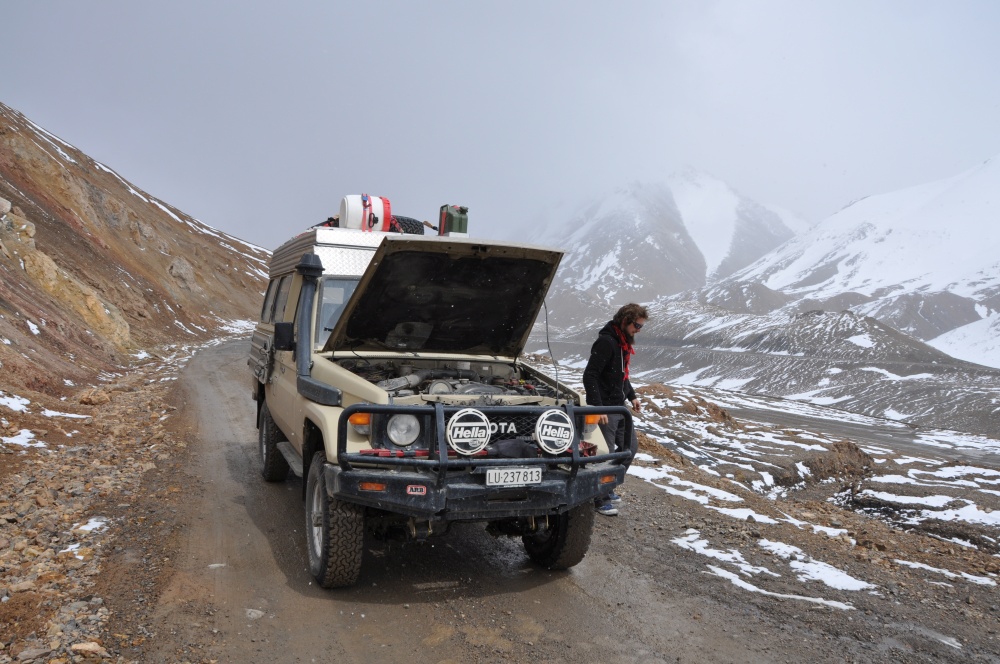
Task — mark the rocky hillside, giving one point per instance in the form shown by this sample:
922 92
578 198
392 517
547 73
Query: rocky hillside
92 268
836 359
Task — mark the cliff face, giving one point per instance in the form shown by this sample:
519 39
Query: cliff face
92 268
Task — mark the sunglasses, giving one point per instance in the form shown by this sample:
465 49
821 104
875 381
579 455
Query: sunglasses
638 326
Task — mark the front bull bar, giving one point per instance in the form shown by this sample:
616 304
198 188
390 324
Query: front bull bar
439 446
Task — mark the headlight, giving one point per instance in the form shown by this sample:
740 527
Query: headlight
403 430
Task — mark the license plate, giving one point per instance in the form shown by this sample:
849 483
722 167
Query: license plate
513 476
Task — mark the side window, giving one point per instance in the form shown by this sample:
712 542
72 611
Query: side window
335 294
282 298
267 310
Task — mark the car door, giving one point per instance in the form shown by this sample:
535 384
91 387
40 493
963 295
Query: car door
282 392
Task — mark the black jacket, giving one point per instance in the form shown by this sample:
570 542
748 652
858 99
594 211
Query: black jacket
604 377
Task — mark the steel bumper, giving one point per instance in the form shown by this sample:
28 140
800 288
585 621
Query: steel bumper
463 496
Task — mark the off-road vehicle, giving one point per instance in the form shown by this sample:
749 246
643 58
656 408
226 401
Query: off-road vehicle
387 372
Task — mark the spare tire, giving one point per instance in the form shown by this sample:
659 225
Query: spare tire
409 225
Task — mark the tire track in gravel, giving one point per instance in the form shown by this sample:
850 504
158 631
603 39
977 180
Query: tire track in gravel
241 590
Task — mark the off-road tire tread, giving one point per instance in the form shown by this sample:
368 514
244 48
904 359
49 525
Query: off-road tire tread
568 541
273 466
339 565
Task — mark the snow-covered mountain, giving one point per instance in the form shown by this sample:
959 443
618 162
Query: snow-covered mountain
730 230
925 260
647 240
864 312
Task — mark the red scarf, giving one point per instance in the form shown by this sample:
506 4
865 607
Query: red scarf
627 349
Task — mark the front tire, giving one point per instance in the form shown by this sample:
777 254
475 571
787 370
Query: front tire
273 466
565 542
334 532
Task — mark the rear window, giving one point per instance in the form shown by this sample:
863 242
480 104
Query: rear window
267 310
282 298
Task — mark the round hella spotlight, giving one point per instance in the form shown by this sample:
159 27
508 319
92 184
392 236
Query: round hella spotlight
468 431
554 431
403 430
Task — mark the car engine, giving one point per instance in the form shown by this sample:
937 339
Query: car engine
457 378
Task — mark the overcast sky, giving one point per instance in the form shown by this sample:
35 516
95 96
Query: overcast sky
257 118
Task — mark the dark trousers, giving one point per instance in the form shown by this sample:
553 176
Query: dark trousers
614 435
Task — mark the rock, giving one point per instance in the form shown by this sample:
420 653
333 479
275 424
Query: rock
183 273
94 397
31 654
89 647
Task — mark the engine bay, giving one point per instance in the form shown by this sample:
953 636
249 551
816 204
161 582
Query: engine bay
440 378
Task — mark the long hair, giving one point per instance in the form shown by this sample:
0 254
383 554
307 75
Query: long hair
630 313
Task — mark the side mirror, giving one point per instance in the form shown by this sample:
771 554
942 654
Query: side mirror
284 336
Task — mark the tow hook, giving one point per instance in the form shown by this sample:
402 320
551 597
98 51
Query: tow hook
419 531
541 524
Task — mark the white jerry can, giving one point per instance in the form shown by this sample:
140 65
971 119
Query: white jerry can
369 213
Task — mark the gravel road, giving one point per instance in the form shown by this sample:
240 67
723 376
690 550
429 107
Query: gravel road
206 562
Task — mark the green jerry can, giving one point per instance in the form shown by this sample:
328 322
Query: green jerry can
454 219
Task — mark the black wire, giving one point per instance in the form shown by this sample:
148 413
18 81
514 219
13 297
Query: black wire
548 345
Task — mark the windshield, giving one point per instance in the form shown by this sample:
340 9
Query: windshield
334 293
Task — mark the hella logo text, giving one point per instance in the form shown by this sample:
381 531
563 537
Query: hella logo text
471 431
556 431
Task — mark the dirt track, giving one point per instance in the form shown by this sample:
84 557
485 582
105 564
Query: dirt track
241 591
211 566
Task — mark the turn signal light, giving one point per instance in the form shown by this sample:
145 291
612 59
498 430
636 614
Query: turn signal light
591 420
371 486
361 423
608 479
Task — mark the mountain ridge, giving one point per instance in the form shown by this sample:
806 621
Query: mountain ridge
93 268
867 350
641 241
922 259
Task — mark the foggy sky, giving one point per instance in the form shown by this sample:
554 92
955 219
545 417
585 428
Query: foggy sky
257 118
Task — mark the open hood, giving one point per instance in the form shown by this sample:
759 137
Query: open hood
446 295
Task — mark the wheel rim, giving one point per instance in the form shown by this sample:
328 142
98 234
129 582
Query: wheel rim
315 521
262 436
